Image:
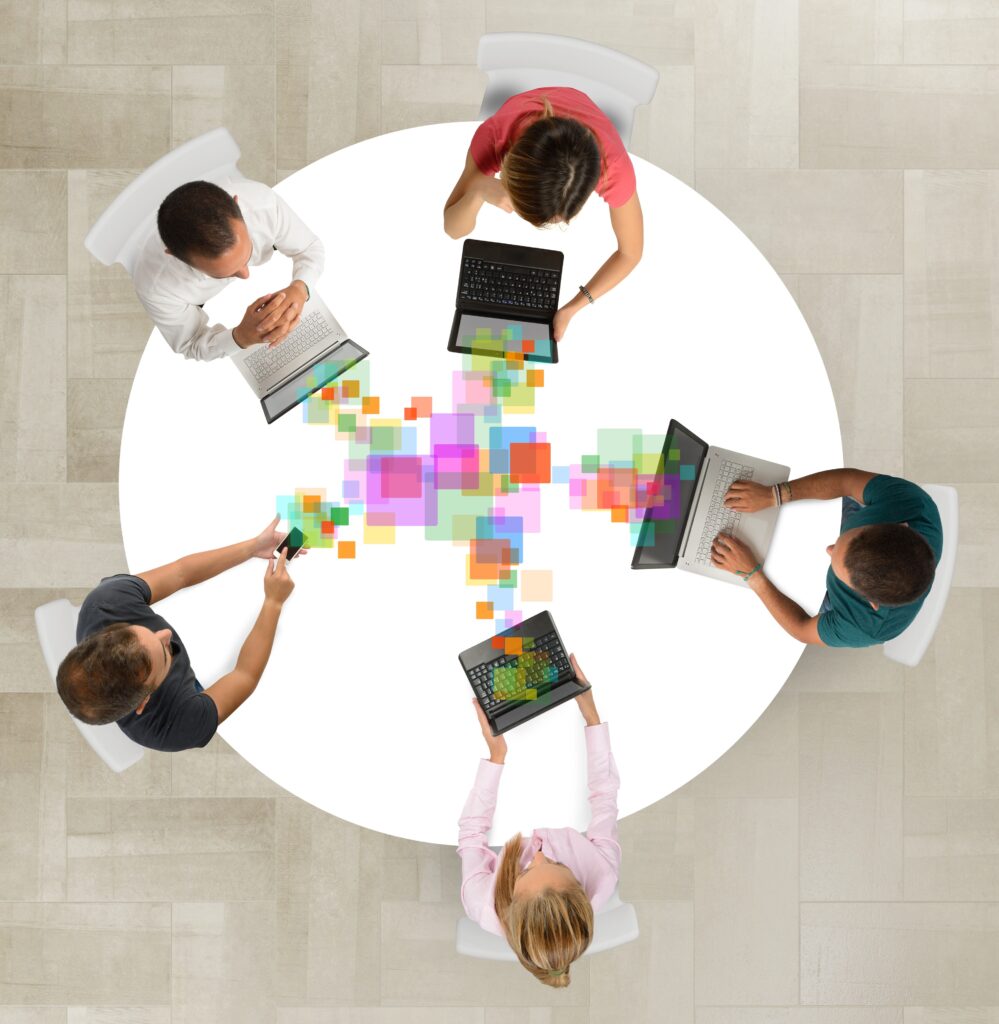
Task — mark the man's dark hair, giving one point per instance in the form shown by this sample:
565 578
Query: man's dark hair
890 564
196 220
103 678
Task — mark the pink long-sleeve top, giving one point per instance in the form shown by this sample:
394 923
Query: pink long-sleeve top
594 858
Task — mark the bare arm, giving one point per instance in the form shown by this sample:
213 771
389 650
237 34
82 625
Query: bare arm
790 616
231 690
192 569
471 190
831 483
629 229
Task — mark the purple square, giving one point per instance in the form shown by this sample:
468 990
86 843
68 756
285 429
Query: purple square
456 467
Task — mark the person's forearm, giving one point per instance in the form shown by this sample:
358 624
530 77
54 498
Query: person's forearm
460 216
617 267
790 616
256 649
203 565
827 485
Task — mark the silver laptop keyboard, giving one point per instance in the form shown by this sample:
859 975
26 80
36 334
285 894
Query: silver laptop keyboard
721 519
264 362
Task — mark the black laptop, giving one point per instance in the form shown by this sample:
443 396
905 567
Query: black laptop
521 673
507 299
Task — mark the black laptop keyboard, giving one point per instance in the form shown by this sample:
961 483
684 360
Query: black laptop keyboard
501 284
520 677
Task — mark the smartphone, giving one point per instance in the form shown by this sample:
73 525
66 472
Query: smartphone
294 542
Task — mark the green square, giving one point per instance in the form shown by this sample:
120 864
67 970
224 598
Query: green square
347 422
501 387
339 516
590 463
511 582
386 439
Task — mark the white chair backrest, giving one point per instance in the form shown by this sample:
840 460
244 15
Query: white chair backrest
615 924
56 625
909 647
518 61
125 225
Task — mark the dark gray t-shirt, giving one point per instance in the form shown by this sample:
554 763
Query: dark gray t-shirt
179 714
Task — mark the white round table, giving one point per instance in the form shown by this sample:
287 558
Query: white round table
363 709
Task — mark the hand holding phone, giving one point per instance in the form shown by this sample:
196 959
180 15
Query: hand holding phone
294 543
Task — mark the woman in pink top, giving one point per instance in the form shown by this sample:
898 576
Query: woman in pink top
553 147
540 893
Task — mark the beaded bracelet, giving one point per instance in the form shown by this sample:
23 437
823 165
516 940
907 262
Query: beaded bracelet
777 497
746 575
586 292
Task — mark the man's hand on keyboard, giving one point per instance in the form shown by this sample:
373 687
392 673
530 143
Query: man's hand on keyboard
732 555
283 317
746 496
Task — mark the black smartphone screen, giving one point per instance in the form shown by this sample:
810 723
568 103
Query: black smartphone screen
294 542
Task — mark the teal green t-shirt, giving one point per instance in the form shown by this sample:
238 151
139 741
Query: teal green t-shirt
851 621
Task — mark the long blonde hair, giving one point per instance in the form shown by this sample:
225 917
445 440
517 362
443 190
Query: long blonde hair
547 931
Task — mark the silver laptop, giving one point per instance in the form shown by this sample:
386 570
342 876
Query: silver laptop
316 352
687 512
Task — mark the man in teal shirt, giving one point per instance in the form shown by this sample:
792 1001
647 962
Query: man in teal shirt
881 566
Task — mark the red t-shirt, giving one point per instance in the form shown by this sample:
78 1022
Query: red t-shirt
496 134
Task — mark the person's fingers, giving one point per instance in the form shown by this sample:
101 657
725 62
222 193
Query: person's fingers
258 303
282 562
575 666
270 566
272 525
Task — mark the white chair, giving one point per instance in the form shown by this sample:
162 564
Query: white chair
909 647
615 924
122 229
518 61
56 625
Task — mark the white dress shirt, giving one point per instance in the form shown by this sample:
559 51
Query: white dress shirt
172 291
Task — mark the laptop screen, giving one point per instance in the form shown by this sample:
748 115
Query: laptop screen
496 336
312 378
666 514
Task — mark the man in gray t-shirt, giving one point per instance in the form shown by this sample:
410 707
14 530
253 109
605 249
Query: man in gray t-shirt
131 668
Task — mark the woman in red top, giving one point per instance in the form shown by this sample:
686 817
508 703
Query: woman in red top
552 147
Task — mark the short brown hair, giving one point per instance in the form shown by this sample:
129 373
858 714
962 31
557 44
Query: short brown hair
889 563
547 931
196 220
550 171
104 677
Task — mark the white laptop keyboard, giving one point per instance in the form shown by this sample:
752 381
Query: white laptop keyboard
721 519
264 362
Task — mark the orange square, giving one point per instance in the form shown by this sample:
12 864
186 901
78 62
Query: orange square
498 642
423 406
409 413
483 609
328 394
311 502
527 344
351 388
370 405
619 514
535 378
530 462
513 645
345 549
514 358
328 527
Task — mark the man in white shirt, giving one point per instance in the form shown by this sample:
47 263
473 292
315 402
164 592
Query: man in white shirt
208 234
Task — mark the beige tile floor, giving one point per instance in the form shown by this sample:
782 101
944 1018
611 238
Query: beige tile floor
841 864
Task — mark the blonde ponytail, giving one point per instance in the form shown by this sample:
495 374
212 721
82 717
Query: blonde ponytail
547 931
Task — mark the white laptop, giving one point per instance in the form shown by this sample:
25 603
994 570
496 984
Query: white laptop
688 513
316 352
